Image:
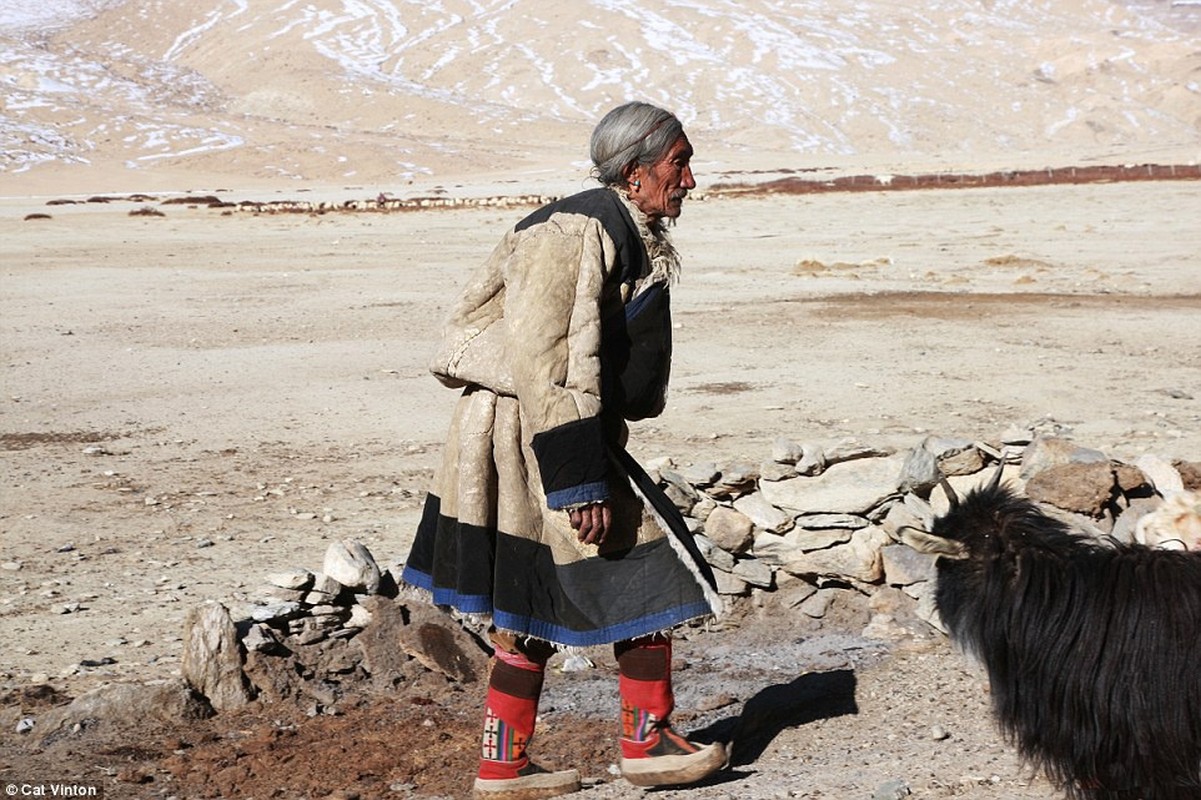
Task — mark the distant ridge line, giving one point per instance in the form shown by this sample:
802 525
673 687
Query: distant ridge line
963 180
789 185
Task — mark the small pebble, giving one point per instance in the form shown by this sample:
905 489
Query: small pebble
577 662
892 790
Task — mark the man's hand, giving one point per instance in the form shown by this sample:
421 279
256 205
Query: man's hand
591 523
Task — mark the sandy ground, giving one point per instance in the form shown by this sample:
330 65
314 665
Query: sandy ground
195 400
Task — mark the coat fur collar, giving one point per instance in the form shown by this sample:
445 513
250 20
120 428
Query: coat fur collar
664 260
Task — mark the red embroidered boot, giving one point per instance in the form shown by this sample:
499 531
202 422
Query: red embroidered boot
506 773
652 752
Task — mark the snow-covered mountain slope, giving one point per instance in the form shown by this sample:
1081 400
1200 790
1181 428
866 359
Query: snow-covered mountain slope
375 90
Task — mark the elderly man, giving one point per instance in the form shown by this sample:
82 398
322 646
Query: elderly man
539 520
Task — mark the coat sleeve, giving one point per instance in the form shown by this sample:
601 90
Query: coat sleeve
553 311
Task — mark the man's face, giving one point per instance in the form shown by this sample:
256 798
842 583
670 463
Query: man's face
664 184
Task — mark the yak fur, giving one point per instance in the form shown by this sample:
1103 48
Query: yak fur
1092 647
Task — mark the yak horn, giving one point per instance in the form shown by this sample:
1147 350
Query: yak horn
995 480
952 498
926 542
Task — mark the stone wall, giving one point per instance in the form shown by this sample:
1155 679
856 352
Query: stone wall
807 531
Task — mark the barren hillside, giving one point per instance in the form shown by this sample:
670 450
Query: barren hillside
117 95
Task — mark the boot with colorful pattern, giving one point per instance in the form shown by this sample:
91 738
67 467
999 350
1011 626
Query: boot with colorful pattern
652 752
506 773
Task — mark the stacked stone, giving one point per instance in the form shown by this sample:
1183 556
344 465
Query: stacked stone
314 606
315 635
812 530
813 525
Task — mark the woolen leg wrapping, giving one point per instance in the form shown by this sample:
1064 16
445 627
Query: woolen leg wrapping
513 694
645 676
511 712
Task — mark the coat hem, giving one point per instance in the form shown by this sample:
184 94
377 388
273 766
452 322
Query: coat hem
477 611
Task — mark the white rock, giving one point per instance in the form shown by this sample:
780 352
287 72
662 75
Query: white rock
576 662
295 578
1051 451
786 451
850 449
774 548
812 461
903 565
919 472
729 529
703 508
765 515
1018 435
360 617
913 512
729 584
351 564
885 628
660 463
259 637
966 462
274 611
771 471
717 557
212 660
860 559
849 521
1163 476
325 584
944 447
274 594
737 475
795 593
702 474
853 487
808 539
753 571
817 604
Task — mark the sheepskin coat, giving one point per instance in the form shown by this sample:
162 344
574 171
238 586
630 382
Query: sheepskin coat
560 337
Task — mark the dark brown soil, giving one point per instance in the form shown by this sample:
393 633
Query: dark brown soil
806 710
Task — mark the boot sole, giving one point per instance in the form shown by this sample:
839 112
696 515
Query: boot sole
529 787
674 770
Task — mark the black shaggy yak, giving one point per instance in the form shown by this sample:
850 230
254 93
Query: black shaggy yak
1092 647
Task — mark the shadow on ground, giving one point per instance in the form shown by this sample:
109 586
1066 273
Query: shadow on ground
812 696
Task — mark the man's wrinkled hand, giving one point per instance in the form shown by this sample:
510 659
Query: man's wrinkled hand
591 523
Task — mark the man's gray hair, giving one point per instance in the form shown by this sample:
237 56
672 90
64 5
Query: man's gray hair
633 133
